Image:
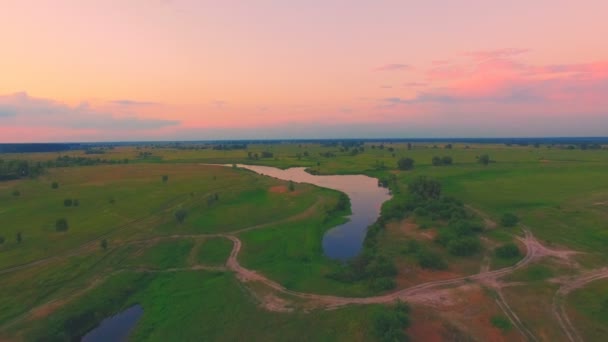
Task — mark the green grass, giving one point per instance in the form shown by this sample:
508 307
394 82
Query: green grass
556 193
214 251
163 255
533 273
292 254
502 323
188 306
588 308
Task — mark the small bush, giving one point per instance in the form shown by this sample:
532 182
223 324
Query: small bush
75 203
509 220
54 185
67 202
382 284
165 178
180 215
465 246
507 251
431 260
61 225
412 247
16 193
501 323
1 240
389 323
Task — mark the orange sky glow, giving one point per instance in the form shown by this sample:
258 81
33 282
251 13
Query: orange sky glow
194 70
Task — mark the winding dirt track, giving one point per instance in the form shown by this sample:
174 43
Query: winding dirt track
560 296
415 294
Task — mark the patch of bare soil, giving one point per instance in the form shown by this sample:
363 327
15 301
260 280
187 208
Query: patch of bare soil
409 228
409 275
274 303
426 327
279 189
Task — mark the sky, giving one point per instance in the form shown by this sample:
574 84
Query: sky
108 70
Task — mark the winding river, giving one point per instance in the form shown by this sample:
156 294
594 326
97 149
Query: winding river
366 197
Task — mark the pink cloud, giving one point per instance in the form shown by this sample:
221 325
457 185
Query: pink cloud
393 67
494 54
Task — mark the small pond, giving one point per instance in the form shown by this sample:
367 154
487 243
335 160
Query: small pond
117 327
366 198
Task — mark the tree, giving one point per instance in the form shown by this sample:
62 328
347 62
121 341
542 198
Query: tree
76 203
447 160
104 244
448 146
437 161
292 187
425 188
509 220
16 193
484 159
19 238
507 251
405 163
409 146
165 178
180 215
389 323
61 225
430 260
67 202
464 246
1 240
54 185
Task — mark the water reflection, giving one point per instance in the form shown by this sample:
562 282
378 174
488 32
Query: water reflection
115 328
366 197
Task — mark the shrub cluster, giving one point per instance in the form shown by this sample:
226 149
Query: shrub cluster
389 323
442 161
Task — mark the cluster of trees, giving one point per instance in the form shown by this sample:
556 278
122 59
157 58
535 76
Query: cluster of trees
389 323
327 154
68 202
405 164
507 251
264 154
426 258
300 155
484 159
460 236
66 161
442 161
61 225
94 151
213 199
16 169
144 155
509 220
230 147
18 238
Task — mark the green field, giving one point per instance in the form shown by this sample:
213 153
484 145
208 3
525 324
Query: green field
53 277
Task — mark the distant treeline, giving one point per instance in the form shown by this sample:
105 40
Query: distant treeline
42 147
16 169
